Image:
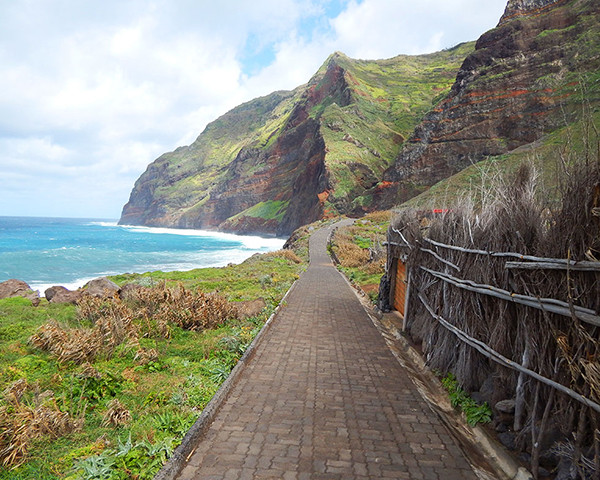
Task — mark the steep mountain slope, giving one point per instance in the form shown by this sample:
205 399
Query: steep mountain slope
526 78
290 158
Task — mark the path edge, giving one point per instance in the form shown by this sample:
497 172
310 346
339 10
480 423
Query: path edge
183 452
468 438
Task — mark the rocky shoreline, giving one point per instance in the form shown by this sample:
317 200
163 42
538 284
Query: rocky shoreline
100 287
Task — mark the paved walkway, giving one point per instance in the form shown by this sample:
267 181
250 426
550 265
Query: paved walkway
324 398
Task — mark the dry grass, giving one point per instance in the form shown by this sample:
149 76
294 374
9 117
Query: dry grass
144 356
382 216
186 308
149 312
116 414
77 345
350 245
348 253
287 254
20 424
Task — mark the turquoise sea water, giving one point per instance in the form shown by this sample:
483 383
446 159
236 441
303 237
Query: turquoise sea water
69 252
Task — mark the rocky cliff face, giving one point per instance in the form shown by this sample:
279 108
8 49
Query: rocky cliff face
524 80
290 158
365 135
519 8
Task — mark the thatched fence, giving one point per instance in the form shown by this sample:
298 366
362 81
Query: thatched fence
507 297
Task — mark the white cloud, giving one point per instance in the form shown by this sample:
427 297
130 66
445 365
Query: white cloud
91 92
385 28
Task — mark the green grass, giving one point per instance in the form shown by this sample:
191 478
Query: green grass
164 396
269 210
236 282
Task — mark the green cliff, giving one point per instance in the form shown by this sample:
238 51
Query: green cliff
367 135
289 158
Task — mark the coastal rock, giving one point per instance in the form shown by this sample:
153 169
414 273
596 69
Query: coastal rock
59 294
101 287
13 288
18 288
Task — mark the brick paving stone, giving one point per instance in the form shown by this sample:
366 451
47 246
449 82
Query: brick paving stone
324 398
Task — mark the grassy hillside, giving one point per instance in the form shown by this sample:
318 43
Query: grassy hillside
78 405
389 97
243 172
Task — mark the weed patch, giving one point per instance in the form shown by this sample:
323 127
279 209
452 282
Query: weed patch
360 250
474 413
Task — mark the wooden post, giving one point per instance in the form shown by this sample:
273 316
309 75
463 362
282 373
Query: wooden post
520 392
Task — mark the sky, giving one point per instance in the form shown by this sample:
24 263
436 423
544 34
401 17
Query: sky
93 91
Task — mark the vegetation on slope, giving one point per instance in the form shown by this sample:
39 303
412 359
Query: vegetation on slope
108 389
387 99
361 253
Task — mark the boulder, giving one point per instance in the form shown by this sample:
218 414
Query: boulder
101 287
18 288
487 390
508 440
59 294
504 411
506 406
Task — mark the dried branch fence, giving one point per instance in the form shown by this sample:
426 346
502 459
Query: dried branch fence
507 297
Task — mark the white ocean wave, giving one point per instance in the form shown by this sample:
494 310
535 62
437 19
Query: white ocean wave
252 242
105 224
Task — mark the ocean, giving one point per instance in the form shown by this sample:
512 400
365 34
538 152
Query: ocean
66 251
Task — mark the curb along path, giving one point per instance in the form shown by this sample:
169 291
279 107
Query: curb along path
324 398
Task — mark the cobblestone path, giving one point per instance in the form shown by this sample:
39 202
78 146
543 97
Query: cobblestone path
324 398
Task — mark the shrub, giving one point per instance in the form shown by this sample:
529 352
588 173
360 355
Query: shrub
381 216
20 424
116 414
185 308
195 311
350 255
79 345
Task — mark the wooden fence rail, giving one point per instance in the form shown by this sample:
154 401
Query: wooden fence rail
546 304
498 358
555 262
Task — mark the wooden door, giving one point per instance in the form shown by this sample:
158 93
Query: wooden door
400 287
